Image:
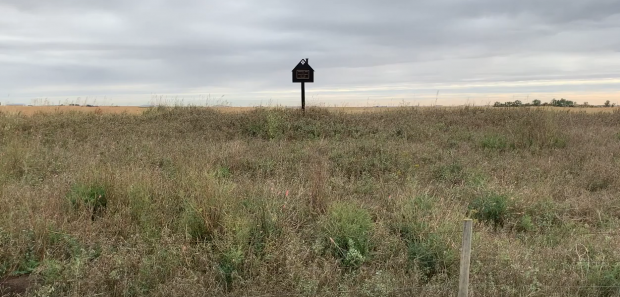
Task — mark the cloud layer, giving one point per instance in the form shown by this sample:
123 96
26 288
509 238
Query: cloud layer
397 50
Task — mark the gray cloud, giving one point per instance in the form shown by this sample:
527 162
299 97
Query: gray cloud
111 47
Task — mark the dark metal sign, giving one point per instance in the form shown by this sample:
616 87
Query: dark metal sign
303 73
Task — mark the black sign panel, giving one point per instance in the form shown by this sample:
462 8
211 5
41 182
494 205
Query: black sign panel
303 72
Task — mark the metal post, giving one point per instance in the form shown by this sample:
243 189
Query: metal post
465 259
303 96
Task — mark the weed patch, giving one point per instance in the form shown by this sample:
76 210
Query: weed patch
51 271
494 142
602 281
525 224
194 224
223 172
155 270
141 206
427 250
491 208
230 263
91 197
347 229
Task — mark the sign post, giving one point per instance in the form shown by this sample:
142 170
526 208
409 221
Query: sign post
303 95
303 73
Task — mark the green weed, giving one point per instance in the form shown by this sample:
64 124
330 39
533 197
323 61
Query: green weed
194 224
525 224
427 250
491 208
602 281
494 142
141 206
92 197
51 271
155 270
230 263
223 172
347 229
29 263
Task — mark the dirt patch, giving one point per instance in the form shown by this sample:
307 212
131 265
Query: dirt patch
14 285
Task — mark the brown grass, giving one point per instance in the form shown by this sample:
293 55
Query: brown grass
30 110
261 202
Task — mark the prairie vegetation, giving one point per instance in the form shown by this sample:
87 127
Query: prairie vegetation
30 110
197 202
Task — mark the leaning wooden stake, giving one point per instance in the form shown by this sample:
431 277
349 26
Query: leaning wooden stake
465 257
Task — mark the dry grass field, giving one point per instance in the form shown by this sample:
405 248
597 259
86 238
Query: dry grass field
268 201
30 110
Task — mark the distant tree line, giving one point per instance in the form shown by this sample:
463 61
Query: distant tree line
558 103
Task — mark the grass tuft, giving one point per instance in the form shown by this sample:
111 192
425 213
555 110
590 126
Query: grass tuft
91 197
347 229
491 208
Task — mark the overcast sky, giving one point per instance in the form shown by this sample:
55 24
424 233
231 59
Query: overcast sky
241 52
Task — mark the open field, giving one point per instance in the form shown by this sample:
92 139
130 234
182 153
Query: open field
30 110
262 202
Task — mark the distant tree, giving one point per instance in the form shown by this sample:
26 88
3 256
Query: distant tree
586 104
517 103
536 102
498 104
562 103
607 103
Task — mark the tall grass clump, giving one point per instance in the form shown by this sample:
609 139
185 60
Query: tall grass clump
494 142
92 197
539 130
428 247
346 233
491 208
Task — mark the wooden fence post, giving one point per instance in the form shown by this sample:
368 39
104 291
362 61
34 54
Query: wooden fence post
465 258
